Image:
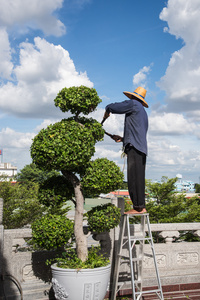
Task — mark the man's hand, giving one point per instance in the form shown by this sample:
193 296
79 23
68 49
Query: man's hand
106 115
117 138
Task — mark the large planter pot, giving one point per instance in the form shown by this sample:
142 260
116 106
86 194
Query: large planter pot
84 284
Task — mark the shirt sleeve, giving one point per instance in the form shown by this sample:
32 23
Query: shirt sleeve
120 107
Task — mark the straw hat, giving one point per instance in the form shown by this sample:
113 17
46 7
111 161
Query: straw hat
139 93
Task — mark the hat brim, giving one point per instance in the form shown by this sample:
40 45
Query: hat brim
130 95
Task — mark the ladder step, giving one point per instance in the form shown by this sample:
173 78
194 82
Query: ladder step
137 238
133 259
136 281
149 292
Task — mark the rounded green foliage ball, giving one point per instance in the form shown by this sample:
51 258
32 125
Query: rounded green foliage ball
52 231
102 176
65 145
77 100
104 217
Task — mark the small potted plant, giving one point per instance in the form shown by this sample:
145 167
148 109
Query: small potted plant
68 146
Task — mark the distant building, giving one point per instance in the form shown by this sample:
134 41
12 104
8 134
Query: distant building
184 185
181 185
6 169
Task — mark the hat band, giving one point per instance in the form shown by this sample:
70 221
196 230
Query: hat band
138 94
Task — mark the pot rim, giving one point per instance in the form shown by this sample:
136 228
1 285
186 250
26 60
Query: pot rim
54 267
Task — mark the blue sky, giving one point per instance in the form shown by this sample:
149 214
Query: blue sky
113 46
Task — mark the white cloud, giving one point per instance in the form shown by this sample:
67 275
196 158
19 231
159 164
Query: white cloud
178 119
167 159
13 139
6 65
141 76
44 69
183 19
181 80
35 14
171 124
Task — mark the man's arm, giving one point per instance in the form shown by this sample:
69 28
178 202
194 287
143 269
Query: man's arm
120 107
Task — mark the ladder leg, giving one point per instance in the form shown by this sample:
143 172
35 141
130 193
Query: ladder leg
154 257
141 255
117 257
130 258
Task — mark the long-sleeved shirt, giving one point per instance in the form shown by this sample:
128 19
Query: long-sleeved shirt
135 124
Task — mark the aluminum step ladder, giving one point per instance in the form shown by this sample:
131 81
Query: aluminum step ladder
136 263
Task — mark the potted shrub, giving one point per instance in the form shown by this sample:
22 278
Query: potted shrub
68 146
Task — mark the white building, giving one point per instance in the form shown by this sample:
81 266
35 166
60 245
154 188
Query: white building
184 185
181 185
6 169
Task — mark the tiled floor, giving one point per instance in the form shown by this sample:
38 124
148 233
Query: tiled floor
172 292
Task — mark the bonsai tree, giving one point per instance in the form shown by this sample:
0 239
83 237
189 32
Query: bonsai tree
68 146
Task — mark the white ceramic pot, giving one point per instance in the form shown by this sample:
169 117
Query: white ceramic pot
84 284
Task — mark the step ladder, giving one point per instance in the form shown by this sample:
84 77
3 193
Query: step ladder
136 263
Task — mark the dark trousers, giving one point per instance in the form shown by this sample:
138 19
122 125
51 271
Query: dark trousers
136 163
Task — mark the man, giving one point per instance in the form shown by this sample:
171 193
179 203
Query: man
134 142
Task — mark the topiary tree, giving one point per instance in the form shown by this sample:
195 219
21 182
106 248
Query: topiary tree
68 146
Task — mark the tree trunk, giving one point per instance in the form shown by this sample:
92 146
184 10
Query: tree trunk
81 240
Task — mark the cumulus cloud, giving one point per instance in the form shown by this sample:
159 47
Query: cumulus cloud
141 77
183 21
33 14
170 124
29 87
181 80
44 69
6 65
15 146
10 138
167 159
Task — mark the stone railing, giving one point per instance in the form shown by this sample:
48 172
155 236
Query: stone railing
178 263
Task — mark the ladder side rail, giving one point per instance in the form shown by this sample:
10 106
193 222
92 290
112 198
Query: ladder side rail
141 253
154 257
130 258
118 257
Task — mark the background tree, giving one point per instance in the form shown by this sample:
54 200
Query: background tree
165 205
197 188
161 192
67 146
31 173
21 205
24 201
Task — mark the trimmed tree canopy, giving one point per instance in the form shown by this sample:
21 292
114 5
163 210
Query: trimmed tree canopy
77 100
66 145
102 176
